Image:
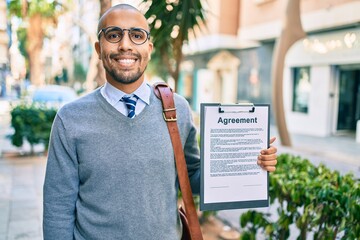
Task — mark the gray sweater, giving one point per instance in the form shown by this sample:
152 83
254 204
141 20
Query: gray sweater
111 177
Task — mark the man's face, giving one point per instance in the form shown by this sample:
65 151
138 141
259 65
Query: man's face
124 62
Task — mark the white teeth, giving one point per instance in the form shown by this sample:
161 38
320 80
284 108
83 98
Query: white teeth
126 61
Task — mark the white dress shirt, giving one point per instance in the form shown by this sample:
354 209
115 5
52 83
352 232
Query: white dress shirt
113 96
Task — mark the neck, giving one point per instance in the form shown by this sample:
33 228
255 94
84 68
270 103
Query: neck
127 88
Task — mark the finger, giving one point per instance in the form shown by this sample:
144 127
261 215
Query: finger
269 168
268 163
270 157
264 151
270 150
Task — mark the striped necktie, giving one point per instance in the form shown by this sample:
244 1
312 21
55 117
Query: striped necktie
130 102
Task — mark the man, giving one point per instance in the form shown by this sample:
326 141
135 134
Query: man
111 171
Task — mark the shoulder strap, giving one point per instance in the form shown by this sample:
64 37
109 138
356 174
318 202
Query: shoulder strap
165 94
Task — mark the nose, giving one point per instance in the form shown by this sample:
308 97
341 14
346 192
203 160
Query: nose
125 43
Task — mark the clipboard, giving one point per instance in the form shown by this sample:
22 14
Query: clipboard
232 136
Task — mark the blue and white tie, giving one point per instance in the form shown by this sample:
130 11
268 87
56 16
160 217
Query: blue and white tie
130 102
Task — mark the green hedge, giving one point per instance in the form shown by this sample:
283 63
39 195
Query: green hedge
315 199
31 123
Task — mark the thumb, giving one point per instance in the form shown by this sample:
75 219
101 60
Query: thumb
272 140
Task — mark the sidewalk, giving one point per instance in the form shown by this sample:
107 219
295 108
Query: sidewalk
340 153
21 179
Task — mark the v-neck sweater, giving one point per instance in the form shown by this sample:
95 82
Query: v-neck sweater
112 177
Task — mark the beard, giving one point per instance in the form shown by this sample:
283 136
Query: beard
124 77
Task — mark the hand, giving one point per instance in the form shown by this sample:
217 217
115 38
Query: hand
267 158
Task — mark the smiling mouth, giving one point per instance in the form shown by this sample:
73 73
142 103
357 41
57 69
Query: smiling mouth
126 61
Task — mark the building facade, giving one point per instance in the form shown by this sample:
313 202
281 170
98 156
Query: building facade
232 60
4 47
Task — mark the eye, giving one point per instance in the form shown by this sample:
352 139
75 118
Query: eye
137 34
113 35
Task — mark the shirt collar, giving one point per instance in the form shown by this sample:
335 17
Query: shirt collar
114 95
144 92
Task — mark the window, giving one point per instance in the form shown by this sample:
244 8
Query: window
301 90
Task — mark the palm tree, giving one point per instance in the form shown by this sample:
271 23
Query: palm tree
35 15
170 23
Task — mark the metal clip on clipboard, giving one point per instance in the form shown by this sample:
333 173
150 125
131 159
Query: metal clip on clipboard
237 108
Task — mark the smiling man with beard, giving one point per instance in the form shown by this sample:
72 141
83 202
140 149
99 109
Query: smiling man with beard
110 161
124 58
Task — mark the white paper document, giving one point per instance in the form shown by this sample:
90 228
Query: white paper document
232 137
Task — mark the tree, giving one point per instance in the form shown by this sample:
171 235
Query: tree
100 77
291 32
36 15
96 71
171 21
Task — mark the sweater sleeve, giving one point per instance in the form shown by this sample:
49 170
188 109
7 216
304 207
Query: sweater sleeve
61 186
192 156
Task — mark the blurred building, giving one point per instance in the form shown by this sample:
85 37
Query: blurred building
69 46
4 39
85 17
4 48
231 61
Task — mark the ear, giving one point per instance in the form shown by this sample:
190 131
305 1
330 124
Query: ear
98 49
151 46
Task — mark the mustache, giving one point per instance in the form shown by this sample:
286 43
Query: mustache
118 55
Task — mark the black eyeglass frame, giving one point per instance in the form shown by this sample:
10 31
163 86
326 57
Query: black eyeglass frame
103 30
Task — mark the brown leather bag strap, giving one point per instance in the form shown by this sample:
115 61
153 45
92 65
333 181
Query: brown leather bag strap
164 92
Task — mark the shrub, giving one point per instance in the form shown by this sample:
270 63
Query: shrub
31 123
315 199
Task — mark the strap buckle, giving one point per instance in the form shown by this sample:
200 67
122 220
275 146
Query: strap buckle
171 119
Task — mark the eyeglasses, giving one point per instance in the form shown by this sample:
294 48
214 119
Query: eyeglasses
115 34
